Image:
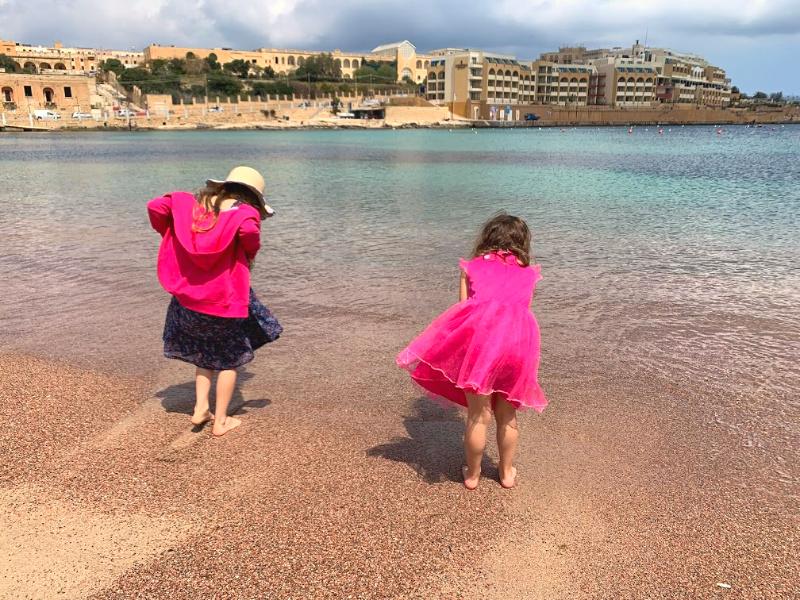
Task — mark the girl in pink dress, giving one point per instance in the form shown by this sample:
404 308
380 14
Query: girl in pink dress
483 353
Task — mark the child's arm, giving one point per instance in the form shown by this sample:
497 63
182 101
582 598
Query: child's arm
250 237
160 212
463 290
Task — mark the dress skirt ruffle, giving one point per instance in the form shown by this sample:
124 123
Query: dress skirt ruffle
488 347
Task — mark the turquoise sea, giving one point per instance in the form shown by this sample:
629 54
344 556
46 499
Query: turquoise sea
672 256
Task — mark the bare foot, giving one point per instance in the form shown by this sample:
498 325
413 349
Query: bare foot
509 480
225 426
202 418
470 481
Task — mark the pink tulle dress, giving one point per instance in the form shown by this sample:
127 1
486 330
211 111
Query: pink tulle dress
487 344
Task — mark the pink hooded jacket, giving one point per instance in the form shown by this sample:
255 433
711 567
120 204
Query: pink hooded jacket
208 271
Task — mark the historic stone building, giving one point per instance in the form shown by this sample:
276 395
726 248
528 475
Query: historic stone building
285 61
26 92
43 59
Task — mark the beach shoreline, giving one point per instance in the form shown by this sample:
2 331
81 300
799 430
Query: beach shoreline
423 118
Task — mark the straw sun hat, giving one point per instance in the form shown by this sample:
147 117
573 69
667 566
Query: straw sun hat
251 179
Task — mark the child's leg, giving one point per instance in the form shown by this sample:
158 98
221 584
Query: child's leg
226 381
479 415
507 434
202 387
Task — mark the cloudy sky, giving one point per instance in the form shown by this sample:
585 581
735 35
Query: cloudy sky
757 41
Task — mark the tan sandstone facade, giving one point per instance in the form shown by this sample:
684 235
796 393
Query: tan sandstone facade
45 59
286 61
24 92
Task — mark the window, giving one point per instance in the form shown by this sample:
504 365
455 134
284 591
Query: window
28 91
67 91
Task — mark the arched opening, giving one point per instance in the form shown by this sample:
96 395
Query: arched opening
419 64
346 63
49 95
60 67
431 75
640 80
631 80
290 60
406 73
8 94
44 65
355 64
338 62
491 72
508 73
427 64
30 67
301 60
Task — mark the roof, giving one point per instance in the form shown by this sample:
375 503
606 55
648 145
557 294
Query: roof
393 46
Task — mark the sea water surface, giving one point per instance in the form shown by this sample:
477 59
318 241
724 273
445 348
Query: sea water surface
670 256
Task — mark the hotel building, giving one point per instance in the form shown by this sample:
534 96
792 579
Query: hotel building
641 75
465 78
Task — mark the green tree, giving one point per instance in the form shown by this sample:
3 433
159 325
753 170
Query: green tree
177 66
9 64
760 96
211 63
321 67
238 67
776 96
377 71
268 88
223 84
114 65
150 82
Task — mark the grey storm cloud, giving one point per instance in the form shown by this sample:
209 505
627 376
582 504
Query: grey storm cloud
720 29
526 27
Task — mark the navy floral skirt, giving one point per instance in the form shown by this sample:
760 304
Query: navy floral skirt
218 343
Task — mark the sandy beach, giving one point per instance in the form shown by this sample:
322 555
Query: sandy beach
108 493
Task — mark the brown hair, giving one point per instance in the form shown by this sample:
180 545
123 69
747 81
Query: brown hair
211 197
505 232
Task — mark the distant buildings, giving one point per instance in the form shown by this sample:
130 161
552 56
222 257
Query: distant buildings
57 58
473 83
643 75
283 61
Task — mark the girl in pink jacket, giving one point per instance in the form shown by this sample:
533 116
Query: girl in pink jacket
214 320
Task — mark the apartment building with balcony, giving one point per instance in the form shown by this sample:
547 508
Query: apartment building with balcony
464 79
680 78
627 85
565 84
61 59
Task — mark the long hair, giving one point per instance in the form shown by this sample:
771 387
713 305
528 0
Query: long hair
505 232
211 197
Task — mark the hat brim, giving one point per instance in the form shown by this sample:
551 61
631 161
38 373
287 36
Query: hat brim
259 195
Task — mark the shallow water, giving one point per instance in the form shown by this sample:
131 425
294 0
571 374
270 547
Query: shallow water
669 256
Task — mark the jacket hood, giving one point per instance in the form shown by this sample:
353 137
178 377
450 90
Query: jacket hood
206 247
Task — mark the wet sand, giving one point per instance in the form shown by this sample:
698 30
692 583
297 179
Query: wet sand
346 486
